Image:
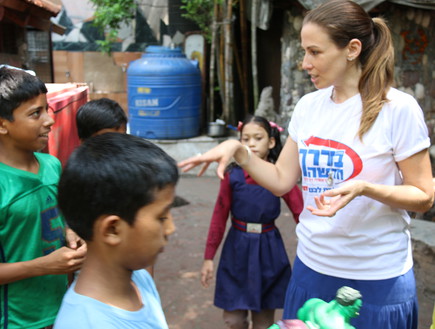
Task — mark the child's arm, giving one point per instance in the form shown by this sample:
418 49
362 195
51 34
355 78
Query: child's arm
219 218
294 202
60 261
216 230
207 272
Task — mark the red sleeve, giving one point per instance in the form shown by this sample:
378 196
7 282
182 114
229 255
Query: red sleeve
219 219
294 202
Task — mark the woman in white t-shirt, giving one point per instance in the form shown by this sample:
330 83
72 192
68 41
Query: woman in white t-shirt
361 149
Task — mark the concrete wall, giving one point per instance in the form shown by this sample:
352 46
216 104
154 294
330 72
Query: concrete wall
104 74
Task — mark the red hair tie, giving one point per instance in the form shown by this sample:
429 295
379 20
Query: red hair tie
239 126
274 125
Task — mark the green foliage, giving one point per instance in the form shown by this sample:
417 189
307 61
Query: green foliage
200 12
109 16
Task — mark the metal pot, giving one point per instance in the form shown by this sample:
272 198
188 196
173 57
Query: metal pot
216 129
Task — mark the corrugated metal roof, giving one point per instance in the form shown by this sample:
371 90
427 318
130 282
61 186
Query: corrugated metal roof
35 13
46 5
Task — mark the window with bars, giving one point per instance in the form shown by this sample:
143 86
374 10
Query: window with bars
39 53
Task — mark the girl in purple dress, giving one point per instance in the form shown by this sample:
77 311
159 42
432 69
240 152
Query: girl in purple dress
254 269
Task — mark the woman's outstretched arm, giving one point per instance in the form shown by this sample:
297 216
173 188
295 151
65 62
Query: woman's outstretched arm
279 178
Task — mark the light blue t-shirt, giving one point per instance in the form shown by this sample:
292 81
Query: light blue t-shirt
79 311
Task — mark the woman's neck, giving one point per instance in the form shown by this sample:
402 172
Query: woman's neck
347 87
340 96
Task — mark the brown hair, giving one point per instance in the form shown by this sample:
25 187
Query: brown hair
345 20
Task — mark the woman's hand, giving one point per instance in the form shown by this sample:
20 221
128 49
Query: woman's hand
207 272
331 201
222 154
416 193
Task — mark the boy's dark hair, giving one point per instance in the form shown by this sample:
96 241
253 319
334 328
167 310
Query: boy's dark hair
16 87
271 132
99 114
112 174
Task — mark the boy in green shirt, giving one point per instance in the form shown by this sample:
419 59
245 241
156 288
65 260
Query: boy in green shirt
34 258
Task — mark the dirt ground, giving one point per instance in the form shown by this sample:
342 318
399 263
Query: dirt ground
187 305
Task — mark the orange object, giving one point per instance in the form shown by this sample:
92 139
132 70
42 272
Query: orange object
64 101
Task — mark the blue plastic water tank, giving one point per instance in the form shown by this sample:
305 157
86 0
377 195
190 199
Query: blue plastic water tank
164 95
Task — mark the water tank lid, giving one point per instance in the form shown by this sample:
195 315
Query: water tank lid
161 50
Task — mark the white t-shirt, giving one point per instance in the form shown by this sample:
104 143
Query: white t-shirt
367 239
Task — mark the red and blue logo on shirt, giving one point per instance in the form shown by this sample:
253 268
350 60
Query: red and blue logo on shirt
322 156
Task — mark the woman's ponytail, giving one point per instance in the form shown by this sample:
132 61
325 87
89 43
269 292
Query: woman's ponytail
377 63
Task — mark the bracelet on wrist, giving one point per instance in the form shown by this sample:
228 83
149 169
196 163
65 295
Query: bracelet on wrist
248 158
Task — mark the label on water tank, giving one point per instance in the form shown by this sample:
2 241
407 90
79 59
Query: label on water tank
143 90
146 102
143 113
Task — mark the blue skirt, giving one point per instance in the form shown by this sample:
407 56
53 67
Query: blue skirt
386 304
253 273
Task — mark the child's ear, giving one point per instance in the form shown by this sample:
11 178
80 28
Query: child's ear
109 229
3 129
272 143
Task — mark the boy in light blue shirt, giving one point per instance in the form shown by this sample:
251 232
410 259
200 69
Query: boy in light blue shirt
116 191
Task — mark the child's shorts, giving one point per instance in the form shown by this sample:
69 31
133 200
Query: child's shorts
386 304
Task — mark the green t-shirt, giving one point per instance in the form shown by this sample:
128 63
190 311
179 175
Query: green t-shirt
30 227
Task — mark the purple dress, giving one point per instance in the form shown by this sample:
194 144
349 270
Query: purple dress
254 269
